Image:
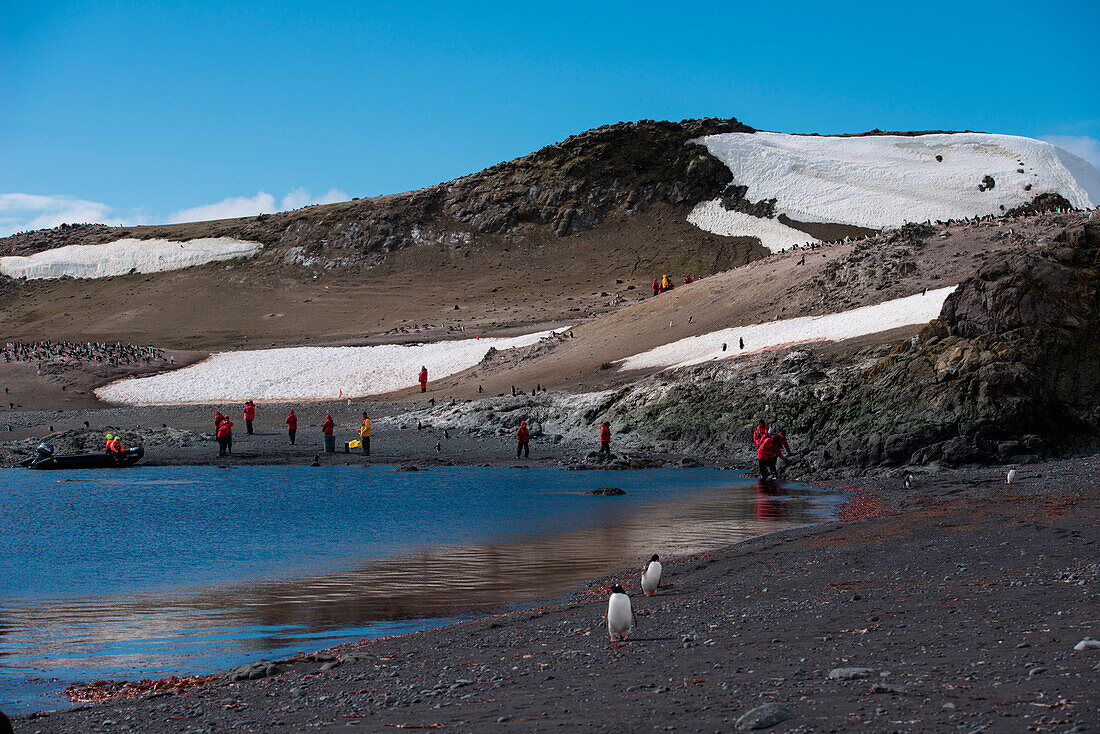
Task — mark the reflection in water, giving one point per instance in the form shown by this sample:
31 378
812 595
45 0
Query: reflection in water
182 630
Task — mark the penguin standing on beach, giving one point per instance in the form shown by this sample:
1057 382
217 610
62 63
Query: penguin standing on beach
651 575
620 616
1011 476
908 481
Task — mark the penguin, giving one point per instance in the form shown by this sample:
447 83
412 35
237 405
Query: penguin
620 617
651 575
1011 476
316 460
908 481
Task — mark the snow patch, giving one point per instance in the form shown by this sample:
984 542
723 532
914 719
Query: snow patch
918 309
888 180
307 373
123 256
773 234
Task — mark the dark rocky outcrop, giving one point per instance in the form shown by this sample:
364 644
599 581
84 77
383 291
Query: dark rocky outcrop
1010 372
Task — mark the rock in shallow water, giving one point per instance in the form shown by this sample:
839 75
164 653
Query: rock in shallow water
608 491
763 717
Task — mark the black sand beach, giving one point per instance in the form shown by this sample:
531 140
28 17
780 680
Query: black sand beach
955 606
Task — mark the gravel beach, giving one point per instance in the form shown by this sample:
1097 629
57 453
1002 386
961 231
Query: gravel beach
964 604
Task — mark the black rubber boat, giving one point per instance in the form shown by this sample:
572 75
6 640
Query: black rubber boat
45 459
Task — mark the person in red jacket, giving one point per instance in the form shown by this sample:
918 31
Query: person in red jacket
249 416
656 287
330 440
781 439
605 440
523 436
225 437
760 432
218 418
768 452
423 379
687 280
291 426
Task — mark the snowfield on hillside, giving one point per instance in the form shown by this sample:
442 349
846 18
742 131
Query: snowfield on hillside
307 373
911 310
123 256
773 234
886 181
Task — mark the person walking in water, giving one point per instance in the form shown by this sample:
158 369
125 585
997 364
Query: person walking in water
423 379
605 440
327 429
364 434
523 436
249 416
291 426
768 452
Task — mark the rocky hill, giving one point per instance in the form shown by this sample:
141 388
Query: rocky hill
567 187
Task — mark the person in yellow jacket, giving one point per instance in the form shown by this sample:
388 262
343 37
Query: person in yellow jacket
666 284
364 434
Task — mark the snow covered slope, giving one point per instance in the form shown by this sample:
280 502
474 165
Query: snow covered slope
306 373
122 256
888 180
918 309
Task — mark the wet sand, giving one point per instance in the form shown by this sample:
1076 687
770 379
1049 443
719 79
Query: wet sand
955 606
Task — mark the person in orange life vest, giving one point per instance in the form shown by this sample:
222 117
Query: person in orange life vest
330 441
523 436
423 379
605 440
249 416
291 426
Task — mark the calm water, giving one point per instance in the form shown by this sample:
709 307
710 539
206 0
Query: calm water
152 571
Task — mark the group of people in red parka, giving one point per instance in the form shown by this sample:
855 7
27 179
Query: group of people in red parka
770 445
664 283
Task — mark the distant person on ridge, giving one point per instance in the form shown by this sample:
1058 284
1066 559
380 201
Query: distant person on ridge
423 379
666 284
249 416
687 280
364 434
523 436
656 286
330 440
605 440
291 426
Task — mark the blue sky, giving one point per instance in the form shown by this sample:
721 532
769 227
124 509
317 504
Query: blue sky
131 112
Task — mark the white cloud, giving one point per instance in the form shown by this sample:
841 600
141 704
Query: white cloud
237 206
26 212
1080 145
23 212
299 197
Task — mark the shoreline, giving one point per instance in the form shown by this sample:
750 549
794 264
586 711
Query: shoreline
956 604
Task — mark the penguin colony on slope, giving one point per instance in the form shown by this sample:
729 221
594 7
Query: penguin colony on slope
620 615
